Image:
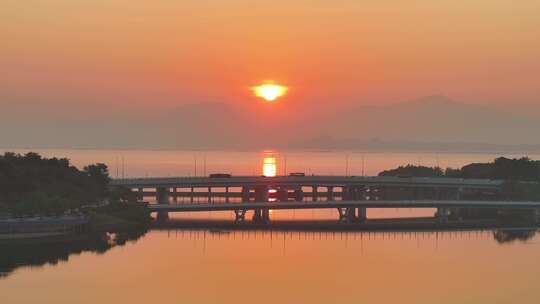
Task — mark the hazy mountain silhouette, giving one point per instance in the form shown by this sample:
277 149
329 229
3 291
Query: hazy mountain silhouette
433 122
436 119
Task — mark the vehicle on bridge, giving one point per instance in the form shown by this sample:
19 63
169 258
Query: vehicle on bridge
220 175
299 174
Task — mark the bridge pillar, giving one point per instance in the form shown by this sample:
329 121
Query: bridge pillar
442 214
240 215
283 194
162 216
192 195
209 195
245 194
353 193
382 193
140 196
351 217
330 193
265 215
175 196
346 215
298 194
343 218
362 214
162 198
345 194
458 193
226 194
162 195
257 216
261 196
315 194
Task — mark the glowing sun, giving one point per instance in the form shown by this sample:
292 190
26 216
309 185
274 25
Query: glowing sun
269 91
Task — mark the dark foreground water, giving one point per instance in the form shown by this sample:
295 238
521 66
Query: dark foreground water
249 266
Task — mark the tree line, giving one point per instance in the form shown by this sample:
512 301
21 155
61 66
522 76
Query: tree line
517 169
32 184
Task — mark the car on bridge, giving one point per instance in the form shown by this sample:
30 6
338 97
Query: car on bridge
297 174
220 175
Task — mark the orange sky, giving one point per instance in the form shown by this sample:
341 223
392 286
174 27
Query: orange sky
122 52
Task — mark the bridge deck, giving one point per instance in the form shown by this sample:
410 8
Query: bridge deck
341 204
239 181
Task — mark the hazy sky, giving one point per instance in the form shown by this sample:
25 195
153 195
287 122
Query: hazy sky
86 54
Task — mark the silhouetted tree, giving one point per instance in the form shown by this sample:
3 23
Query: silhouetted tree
413 171
31 184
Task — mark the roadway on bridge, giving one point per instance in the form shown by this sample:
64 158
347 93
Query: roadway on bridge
252 181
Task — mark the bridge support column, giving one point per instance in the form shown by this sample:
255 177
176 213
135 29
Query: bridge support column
192 195
351 216
347 193
162 216
458 193
162 195
175 196
346 215
442 214
257 216
342 215
162 198
140 196
298 194
245 194
353 193
226 194
330 193
240 215
209 195
315 194
265 215
283 194
261 196
362 214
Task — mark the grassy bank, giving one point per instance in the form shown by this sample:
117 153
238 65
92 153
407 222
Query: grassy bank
119 217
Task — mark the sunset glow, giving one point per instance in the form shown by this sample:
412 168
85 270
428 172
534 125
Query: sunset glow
269 92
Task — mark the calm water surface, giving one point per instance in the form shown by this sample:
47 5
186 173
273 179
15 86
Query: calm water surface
184 266
198 266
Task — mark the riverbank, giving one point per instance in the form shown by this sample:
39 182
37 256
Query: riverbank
119 217
97 220
42 227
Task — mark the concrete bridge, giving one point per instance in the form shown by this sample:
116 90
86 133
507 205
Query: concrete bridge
349 211
295 181
300 187
350 195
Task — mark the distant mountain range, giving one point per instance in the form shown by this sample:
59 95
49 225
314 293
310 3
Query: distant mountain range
428 123
432 123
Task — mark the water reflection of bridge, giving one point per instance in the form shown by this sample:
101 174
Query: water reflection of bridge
351 196
501 235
